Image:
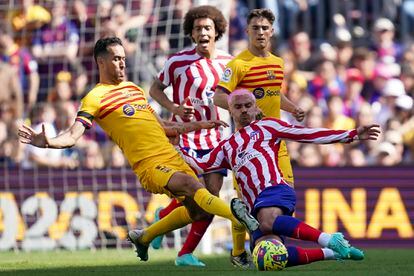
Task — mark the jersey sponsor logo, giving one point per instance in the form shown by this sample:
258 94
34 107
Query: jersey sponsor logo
270 75
271 93
258 93
128 110
163 169
255 135
243 157
209 94
226 75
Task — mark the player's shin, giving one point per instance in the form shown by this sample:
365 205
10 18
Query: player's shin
176 219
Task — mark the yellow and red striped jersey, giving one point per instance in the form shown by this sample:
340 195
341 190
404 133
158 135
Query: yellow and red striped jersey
263 76
124 114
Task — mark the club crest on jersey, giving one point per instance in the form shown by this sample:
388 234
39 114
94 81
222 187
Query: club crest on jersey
255 135
128 110
270 75
258 93
226 75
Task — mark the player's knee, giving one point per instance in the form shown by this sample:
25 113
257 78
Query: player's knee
266 225
190 186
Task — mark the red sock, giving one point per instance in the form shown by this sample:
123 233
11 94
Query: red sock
306 232
301 256
198 228
173 204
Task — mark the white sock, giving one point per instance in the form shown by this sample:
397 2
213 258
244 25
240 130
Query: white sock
323 239
328 254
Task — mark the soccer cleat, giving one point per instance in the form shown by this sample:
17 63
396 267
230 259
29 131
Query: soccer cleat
240 211
340 245
188 260
243 260
141 249
354 254
156 243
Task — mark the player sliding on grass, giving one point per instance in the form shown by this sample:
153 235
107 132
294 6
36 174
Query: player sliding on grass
252 154
122 110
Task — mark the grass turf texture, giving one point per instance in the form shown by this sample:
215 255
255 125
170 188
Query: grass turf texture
124 262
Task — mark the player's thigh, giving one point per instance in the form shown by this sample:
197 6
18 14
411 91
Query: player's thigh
266 216
171 177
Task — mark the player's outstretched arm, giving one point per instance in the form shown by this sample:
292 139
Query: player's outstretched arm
64 140
289 106
197 125
370 132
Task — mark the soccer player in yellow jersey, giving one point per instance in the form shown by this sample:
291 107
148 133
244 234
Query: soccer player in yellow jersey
261 72
122 110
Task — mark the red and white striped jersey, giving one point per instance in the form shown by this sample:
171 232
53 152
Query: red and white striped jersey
194 76
252 153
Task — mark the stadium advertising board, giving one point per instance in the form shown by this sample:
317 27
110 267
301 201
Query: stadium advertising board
78 209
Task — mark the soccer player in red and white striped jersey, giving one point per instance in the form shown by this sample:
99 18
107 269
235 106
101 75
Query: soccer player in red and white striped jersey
252 154
193 75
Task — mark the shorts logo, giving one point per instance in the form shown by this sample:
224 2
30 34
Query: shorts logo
128 110
226 75
259 93
162 168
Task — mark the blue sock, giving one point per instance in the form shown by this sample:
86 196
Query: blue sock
293 256
285 225
255 235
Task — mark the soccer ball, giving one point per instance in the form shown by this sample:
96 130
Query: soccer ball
270 254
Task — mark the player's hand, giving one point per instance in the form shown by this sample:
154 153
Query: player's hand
28 136
299 114
370 132
185 111
212 124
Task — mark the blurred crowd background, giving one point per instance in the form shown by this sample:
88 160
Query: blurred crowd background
347 63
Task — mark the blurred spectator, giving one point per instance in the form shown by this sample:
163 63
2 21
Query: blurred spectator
407 77
353 99
237 27
92 157
55 46
21 59
52 158
384 45
364 60
301 45
309 156
355 157
386 155
335 118
326 83
11 95
384 108
29 16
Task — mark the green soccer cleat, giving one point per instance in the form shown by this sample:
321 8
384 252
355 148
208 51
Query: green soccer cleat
156 243
240 211
141 249
355 254
340 245
188 260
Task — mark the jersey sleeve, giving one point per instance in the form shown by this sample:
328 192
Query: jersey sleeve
231 76
88 110
166 75
212 161
282 130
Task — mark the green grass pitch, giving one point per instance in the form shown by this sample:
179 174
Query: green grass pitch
123 262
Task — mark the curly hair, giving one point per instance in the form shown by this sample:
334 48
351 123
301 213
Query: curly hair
266 13
205 11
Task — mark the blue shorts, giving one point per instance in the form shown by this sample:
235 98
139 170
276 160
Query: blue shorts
282 196
199 154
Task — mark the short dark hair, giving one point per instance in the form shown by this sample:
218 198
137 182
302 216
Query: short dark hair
266 13
101 46
205 11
